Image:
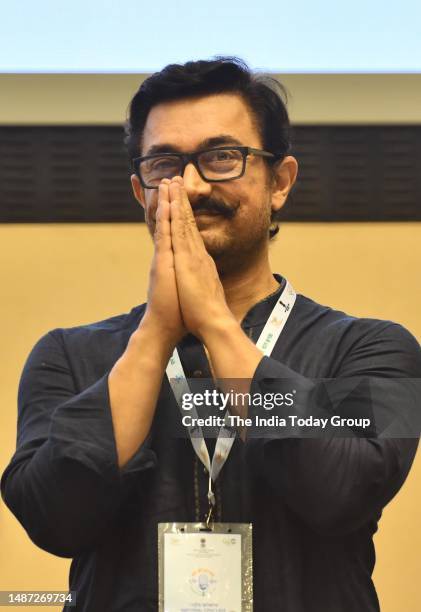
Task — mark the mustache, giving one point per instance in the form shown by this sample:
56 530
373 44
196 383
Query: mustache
215 206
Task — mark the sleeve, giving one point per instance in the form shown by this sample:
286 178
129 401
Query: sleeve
338 483
63 483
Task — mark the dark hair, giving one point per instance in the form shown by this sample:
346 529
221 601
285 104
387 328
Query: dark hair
265 96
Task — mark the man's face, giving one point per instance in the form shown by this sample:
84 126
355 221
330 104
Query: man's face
233 217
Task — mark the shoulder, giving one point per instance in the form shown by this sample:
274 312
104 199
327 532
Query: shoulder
345 339
328 318
100 342
120 323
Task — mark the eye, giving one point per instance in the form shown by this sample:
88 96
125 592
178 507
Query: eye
153 170
220 155
162 164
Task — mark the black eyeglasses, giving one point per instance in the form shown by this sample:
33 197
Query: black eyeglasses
213 165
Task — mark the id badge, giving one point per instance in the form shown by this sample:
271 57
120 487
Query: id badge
205 568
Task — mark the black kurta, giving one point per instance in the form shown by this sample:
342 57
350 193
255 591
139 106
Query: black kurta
314 503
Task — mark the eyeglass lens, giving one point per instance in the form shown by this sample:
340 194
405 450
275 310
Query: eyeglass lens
216 164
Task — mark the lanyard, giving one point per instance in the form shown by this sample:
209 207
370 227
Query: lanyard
178 381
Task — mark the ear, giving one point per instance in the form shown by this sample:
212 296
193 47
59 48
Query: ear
138 190
285 175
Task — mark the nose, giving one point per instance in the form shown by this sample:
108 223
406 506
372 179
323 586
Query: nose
195 186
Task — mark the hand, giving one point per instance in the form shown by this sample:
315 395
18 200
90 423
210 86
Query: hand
201 294
163 309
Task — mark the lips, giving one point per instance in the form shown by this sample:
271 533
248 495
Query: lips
206 213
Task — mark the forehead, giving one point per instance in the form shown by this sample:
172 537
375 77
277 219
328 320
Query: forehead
186 124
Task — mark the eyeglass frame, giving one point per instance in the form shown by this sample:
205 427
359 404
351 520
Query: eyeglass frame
187 158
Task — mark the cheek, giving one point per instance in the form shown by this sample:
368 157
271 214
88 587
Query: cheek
253 199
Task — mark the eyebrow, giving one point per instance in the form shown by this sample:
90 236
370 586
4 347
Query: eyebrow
215 141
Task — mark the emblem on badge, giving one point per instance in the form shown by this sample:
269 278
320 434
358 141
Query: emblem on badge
203 581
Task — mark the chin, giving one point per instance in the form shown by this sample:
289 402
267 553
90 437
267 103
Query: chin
217 252
216 246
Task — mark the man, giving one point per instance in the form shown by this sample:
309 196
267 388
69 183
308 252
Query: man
99 463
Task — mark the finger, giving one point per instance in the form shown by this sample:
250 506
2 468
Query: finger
179 194
185 234
178 226
185 206
182 226
162 235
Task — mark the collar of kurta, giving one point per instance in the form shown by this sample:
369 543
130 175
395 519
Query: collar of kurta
258 314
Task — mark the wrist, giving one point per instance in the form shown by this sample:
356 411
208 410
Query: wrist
232 353
218 327
154 336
